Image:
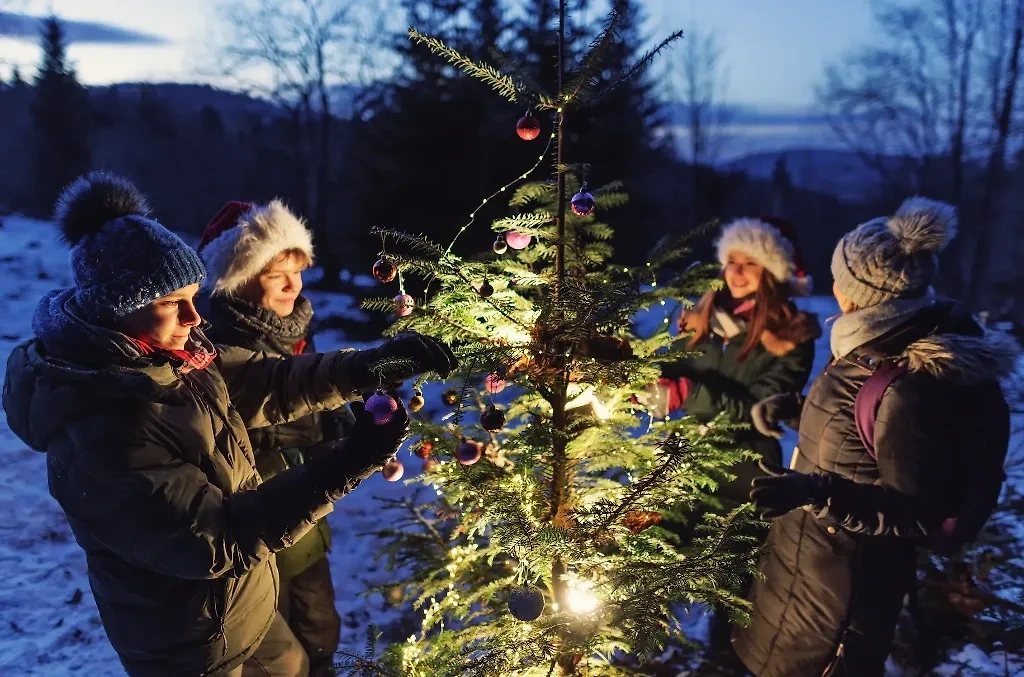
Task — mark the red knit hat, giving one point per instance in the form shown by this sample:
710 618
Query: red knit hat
801 283
244 237
227 217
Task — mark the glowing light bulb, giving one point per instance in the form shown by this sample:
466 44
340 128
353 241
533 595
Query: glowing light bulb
579 596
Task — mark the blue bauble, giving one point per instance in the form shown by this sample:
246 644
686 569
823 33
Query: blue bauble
526 603
582 203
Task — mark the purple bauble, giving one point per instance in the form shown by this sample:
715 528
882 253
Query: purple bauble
517 240
469 452
404 305
582 203
382 407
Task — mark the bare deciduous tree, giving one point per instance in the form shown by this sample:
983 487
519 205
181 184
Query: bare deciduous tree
903 105
298 53
1003 36
702 82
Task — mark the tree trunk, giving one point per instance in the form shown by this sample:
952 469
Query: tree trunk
996 170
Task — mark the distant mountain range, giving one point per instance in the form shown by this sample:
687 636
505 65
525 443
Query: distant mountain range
833 172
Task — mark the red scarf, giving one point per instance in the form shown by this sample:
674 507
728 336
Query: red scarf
193 359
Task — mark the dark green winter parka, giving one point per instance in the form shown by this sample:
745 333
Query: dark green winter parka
241 324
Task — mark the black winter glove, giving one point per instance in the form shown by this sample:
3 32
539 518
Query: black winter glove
403 357
769 413
784 490
365 451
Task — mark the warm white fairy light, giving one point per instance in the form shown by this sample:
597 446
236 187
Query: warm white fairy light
579 595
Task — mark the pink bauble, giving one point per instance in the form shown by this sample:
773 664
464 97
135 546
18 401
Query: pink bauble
393 470
404 305
517 240
494 384
382 407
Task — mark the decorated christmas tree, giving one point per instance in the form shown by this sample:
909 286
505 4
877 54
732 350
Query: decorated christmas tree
543 548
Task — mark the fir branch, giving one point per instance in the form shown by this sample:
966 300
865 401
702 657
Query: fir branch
528 223
531 192
593 58
520 74
420 243
637 68
499 82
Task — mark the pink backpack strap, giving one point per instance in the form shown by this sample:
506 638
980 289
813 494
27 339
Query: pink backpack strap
869 399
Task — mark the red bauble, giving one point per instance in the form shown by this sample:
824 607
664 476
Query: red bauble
382 407
469 451
528 128
423 449
393 470
384 270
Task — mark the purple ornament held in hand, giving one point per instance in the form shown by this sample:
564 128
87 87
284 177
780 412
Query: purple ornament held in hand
382 407
393 470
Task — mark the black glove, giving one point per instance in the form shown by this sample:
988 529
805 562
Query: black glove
365 451
784 490
403 357
770 412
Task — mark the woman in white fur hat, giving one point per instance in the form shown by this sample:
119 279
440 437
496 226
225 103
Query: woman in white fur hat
255 256
751 342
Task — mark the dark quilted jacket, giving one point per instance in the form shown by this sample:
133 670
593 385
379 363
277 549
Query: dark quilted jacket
835 574
154 471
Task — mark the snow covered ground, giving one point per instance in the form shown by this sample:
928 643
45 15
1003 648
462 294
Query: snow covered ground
48 619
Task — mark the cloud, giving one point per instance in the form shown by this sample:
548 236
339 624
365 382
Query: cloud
25 27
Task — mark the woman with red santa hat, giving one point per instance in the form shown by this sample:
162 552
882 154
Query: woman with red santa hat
255 255
748 341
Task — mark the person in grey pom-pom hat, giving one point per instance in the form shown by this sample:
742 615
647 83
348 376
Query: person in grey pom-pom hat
892 257
144 425
917 462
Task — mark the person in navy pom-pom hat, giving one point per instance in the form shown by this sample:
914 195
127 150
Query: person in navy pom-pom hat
121 259
144 425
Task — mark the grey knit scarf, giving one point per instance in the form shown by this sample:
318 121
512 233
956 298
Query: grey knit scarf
852 330
249 319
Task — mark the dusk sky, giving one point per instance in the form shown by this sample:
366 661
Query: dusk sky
775 49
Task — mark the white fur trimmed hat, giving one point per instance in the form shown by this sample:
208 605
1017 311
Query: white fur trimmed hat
764 239
243 238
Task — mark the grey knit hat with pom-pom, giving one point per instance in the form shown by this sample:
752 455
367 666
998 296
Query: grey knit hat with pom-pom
121 259
896 256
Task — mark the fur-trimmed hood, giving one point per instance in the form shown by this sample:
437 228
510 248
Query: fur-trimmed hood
964 358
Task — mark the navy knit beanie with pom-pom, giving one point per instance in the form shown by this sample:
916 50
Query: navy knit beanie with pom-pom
122 260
